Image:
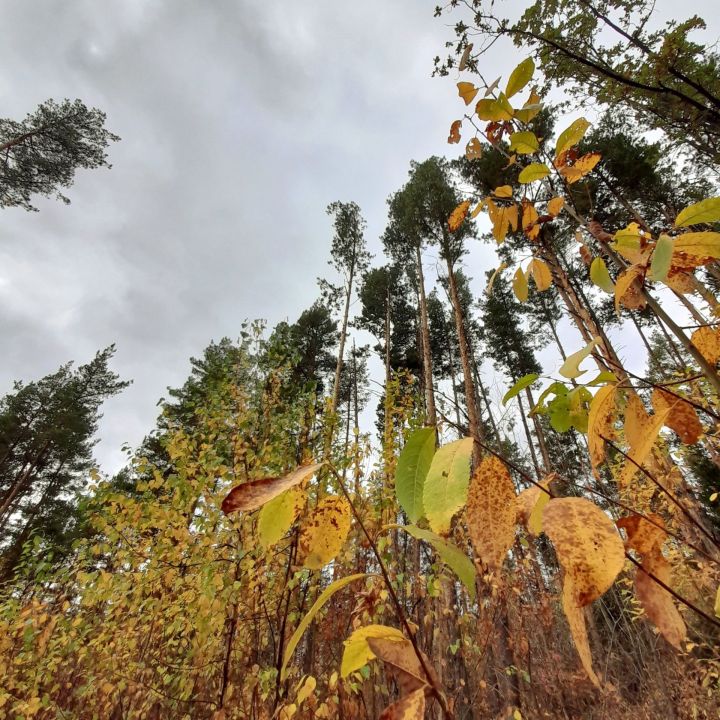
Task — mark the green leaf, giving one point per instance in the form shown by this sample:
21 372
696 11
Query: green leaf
559 413
524 142
278 515
446 484
706 211
600 276
661 258
571 367
556 388
571 136
520 285
520 385
451 555
412 468
520 77
325 595
534 171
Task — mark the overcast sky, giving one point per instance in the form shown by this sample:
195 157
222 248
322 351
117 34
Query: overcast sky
240 122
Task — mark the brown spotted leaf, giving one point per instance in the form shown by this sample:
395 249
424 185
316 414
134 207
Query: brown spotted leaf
410 707
682 418
707 341
587 545
454 136
255 493
642 535
324 531
628 289
490 513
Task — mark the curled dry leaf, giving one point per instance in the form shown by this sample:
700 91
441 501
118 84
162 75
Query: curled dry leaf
473 150
490 514
707 341
324 531
682 416
464 58
255 493
576 622
647 539
454 136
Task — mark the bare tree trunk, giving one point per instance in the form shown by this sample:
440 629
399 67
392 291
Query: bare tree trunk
425 334
466 363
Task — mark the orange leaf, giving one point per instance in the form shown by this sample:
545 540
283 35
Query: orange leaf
457 217
707 341
467 91
682 418
455 132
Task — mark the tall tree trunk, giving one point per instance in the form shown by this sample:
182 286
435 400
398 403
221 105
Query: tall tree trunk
528 437
341 348
466 363
539 432
425 334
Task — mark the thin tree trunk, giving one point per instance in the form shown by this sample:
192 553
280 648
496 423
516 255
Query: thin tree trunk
425 334
466 363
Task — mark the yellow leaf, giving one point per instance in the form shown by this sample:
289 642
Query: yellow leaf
601 418
467 91
524 142
533 172
255 493
324 596
581 167
643 433
530 504
520 285
600 276
706 211
541 274
555 205
324 531
473 150
490 514
307 688
587 545
457 217
698 244
571 136
628 288
492 110
504 191
717 603
530 109
520 77
647 539
488 289
409 707
592 555
682 417
571 367
278 515
446 484
357 652
707 341
576 622
529 218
